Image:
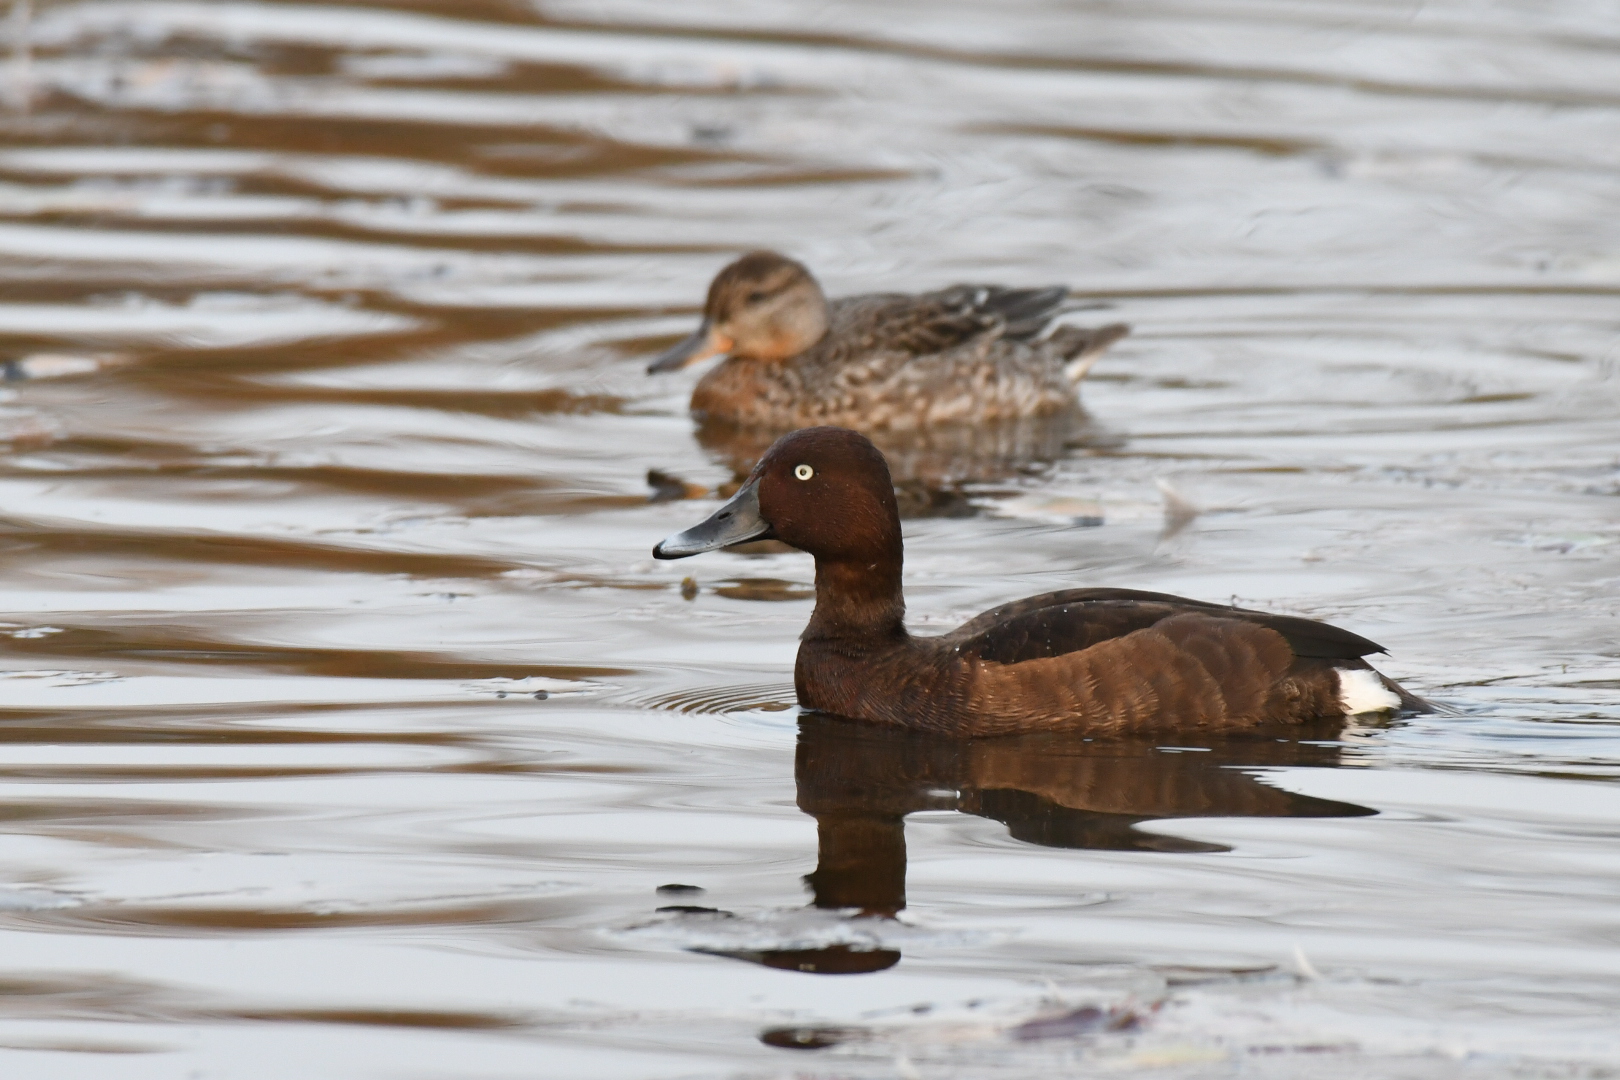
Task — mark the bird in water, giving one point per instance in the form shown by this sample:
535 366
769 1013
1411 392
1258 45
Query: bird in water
1095 661
969 354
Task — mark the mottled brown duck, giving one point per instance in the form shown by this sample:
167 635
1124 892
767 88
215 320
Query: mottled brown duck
883 361
1098 661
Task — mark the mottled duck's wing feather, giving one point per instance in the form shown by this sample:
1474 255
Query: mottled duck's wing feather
1024 313
940 321
1063 622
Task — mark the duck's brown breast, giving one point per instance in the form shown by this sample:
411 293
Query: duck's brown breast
748 393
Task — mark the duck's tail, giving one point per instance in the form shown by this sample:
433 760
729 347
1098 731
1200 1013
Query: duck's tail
1411 703
1082 345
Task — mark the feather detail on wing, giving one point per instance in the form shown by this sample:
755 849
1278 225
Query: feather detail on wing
1075 619
939 321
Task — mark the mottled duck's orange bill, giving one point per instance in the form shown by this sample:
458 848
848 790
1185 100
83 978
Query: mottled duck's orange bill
703 343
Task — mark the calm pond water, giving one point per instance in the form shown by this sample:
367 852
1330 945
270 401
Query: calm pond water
350 730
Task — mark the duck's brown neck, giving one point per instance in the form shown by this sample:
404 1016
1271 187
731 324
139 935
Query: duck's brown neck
857 599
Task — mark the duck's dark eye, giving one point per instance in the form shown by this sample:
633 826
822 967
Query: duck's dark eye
803 472
756 297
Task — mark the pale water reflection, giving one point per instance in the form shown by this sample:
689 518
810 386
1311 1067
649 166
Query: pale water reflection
348 729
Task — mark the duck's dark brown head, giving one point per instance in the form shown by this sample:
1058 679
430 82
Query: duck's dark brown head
764 306
824 490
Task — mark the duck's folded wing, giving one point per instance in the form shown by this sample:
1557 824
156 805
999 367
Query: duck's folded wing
939 321
1064 622
1190 671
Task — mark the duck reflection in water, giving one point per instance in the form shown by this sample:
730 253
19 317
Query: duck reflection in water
935 470
859 781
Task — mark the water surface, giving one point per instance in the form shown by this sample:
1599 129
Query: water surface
350 730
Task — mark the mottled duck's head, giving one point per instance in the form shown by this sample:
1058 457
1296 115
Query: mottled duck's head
764 306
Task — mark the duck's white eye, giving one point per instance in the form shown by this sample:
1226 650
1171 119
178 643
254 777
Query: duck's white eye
803 472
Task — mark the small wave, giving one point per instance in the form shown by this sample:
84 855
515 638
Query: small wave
764 697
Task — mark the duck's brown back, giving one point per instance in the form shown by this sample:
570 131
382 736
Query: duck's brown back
905 362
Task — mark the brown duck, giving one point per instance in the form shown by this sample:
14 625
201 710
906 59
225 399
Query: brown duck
967 354
1099 661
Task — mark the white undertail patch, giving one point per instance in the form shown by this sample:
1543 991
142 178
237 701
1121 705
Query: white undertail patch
1076 369
1362 691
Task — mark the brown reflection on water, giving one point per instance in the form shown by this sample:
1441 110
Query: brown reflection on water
188 645
189 919
44 543
932 468
859 782
106 997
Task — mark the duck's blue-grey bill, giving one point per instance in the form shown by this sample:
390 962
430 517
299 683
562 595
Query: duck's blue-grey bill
734 523
678 355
